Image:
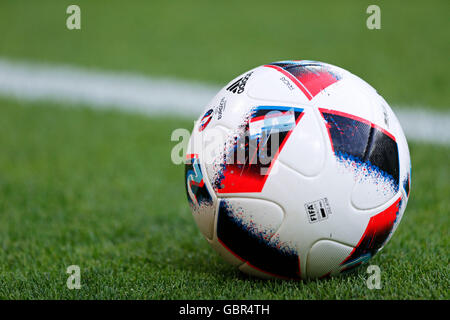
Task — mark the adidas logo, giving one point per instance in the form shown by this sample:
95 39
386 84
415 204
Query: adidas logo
239 85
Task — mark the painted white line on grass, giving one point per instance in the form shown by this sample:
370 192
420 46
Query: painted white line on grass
137 93
102 89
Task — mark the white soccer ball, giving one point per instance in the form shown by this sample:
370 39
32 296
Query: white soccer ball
297 169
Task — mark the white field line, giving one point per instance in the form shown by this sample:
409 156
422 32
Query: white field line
153 96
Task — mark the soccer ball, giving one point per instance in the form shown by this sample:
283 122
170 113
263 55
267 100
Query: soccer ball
297 169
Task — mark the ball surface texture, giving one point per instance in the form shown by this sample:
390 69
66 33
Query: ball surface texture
297 170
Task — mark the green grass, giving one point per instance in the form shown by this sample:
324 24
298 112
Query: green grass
406 61
98 189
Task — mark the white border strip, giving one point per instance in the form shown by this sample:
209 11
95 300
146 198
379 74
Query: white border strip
131 92
102 89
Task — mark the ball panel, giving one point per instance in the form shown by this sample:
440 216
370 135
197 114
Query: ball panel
310 77
247 157
375 236
295 193
247 228
402 207
226 254
199 196
404 156
381 164
370 151
325 257
274 86
305 150
344 96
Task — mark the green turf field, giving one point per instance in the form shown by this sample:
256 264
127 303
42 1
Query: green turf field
98 189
